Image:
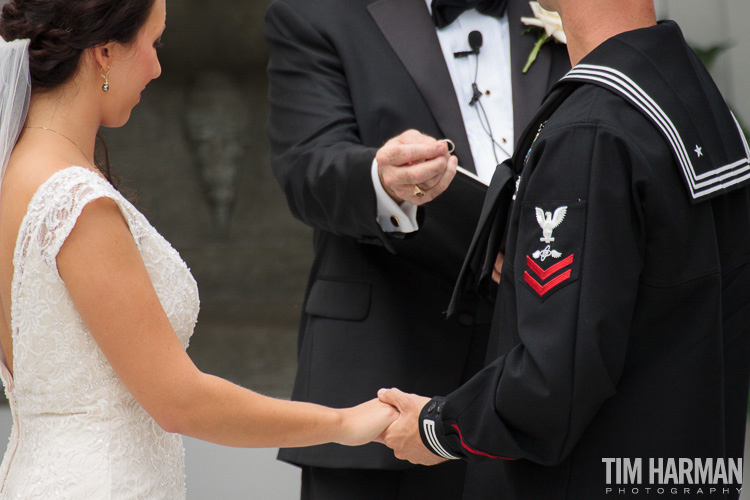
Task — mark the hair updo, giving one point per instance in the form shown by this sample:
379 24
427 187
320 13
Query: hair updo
60 30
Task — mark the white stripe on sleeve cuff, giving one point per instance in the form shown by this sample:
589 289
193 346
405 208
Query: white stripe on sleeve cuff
429 431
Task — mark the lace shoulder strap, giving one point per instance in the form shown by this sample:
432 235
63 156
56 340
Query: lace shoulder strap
54 210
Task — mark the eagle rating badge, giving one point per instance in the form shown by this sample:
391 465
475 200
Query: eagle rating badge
552 234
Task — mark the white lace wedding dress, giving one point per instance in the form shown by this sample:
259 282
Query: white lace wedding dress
77 432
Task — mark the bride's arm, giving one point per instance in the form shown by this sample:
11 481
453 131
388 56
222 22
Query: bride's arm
109 284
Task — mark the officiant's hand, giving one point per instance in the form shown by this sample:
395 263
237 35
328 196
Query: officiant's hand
412 163
403 435
366 422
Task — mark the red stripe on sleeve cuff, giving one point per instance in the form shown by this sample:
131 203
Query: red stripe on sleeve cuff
476 452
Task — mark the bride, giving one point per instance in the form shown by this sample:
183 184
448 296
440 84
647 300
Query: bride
97 308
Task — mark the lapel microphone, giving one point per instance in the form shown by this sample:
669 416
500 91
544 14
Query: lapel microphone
475 42
475 94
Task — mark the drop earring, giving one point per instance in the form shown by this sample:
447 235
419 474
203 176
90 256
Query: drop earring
105 87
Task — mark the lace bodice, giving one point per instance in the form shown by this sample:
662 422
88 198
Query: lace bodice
78 433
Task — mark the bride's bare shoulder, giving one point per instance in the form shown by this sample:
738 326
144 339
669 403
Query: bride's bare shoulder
27 171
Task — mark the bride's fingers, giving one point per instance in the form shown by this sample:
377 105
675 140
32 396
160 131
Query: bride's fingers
393 397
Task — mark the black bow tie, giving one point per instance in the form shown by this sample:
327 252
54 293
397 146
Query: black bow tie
445 12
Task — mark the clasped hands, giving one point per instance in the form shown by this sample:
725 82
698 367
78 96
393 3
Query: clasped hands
393 420
402 436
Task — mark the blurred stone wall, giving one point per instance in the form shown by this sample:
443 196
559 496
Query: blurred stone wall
195 156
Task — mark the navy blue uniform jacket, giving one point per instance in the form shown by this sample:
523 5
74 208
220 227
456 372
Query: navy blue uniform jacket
622 323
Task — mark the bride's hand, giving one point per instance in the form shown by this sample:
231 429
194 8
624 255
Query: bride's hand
366 422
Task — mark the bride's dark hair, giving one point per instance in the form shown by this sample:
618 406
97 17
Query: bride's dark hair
60 30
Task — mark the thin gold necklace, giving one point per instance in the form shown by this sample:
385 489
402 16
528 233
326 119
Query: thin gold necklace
70 140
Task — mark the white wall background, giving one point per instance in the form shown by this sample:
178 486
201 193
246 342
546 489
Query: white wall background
711 22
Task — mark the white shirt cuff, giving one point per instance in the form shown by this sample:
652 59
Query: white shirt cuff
393 217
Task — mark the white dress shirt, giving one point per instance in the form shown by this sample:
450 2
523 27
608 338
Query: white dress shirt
493 80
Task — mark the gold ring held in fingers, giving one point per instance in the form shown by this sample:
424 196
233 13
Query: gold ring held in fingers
417 191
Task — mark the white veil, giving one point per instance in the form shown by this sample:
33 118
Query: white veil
15 93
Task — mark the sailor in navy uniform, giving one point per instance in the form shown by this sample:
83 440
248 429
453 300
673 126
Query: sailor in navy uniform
622 322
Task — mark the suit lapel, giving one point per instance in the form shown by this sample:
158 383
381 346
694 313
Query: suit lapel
528 89
407 27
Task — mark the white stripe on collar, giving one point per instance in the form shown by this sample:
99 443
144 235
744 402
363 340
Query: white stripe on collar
700 184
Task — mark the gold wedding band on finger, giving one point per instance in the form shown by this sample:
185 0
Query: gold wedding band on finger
451 146
418 191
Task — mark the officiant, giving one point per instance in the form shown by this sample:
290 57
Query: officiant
362 93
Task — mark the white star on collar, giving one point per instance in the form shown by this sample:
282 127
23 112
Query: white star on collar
698 151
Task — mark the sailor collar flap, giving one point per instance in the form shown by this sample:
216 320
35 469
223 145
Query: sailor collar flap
656 71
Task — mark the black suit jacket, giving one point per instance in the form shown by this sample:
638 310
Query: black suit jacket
346 76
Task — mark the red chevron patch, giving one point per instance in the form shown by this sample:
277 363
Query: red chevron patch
546 273
542 290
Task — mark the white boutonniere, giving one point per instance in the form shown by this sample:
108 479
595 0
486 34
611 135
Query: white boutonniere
552 28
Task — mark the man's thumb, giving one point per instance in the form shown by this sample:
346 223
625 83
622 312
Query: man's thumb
391 397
